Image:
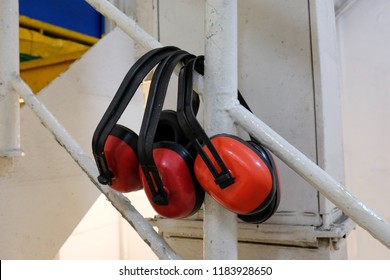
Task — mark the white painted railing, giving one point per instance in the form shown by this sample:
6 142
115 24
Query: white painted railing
319 179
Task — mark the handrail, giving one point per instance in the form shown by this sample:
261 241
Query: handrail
365 217
118 200
313 174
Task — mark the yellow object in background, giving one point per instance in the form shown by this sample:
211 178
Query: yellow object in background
38 73
47 50
36 44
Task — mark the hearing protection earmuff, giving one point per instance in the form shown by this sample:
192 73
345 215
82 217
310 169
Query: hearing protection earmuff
241 175
115 146
166 167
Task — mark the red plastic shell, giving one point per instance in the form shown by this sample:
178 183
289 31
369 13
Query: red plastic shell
177 181
123 163
253 179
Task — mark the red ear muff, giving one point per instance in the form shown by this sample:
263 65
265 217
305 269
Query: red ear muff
253 179
175 167
120 151
166 168
240 175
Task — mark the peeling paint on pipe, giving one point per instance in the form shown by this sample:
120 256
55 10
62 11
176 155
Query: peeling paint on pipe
220 85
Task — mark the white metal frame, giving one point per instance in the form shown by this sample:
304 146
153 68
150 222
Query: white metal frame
9 67
230 107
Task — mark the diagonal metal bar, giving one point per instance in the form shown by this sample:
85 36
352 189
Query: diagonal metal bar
127 24
377 226
135 31
118 200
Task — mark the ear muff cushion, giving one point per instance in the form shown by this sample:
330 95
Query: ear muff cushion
272 164
270 209
264 215
175 166
120 152
253 179
169 129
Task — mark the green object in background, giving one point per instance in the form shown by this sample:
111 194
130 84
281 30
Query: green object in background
27 57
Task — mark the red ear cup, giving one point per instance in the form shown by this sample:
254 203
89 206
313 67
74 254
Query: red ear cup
253 186
120 151
175 166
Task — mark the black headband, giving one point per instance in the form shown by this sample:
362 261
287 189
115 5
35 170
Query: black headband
124 94
194 130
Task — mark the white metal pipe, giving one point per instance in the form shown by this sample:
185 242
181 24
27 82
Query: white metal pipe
220 87
127 24
9 65
378 227
135 31
119 201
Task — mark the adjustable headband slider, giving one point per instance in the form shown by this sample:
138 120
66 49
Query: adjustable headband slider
155 184
224 180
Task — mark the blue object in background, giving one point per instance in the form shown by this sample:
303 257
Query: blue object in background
76 15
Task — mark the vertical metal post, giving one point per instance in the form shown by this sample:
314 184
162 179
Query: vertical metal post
9 68
220 89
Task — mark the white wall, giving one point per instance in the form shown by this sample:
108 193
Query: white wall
365 61
103 234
